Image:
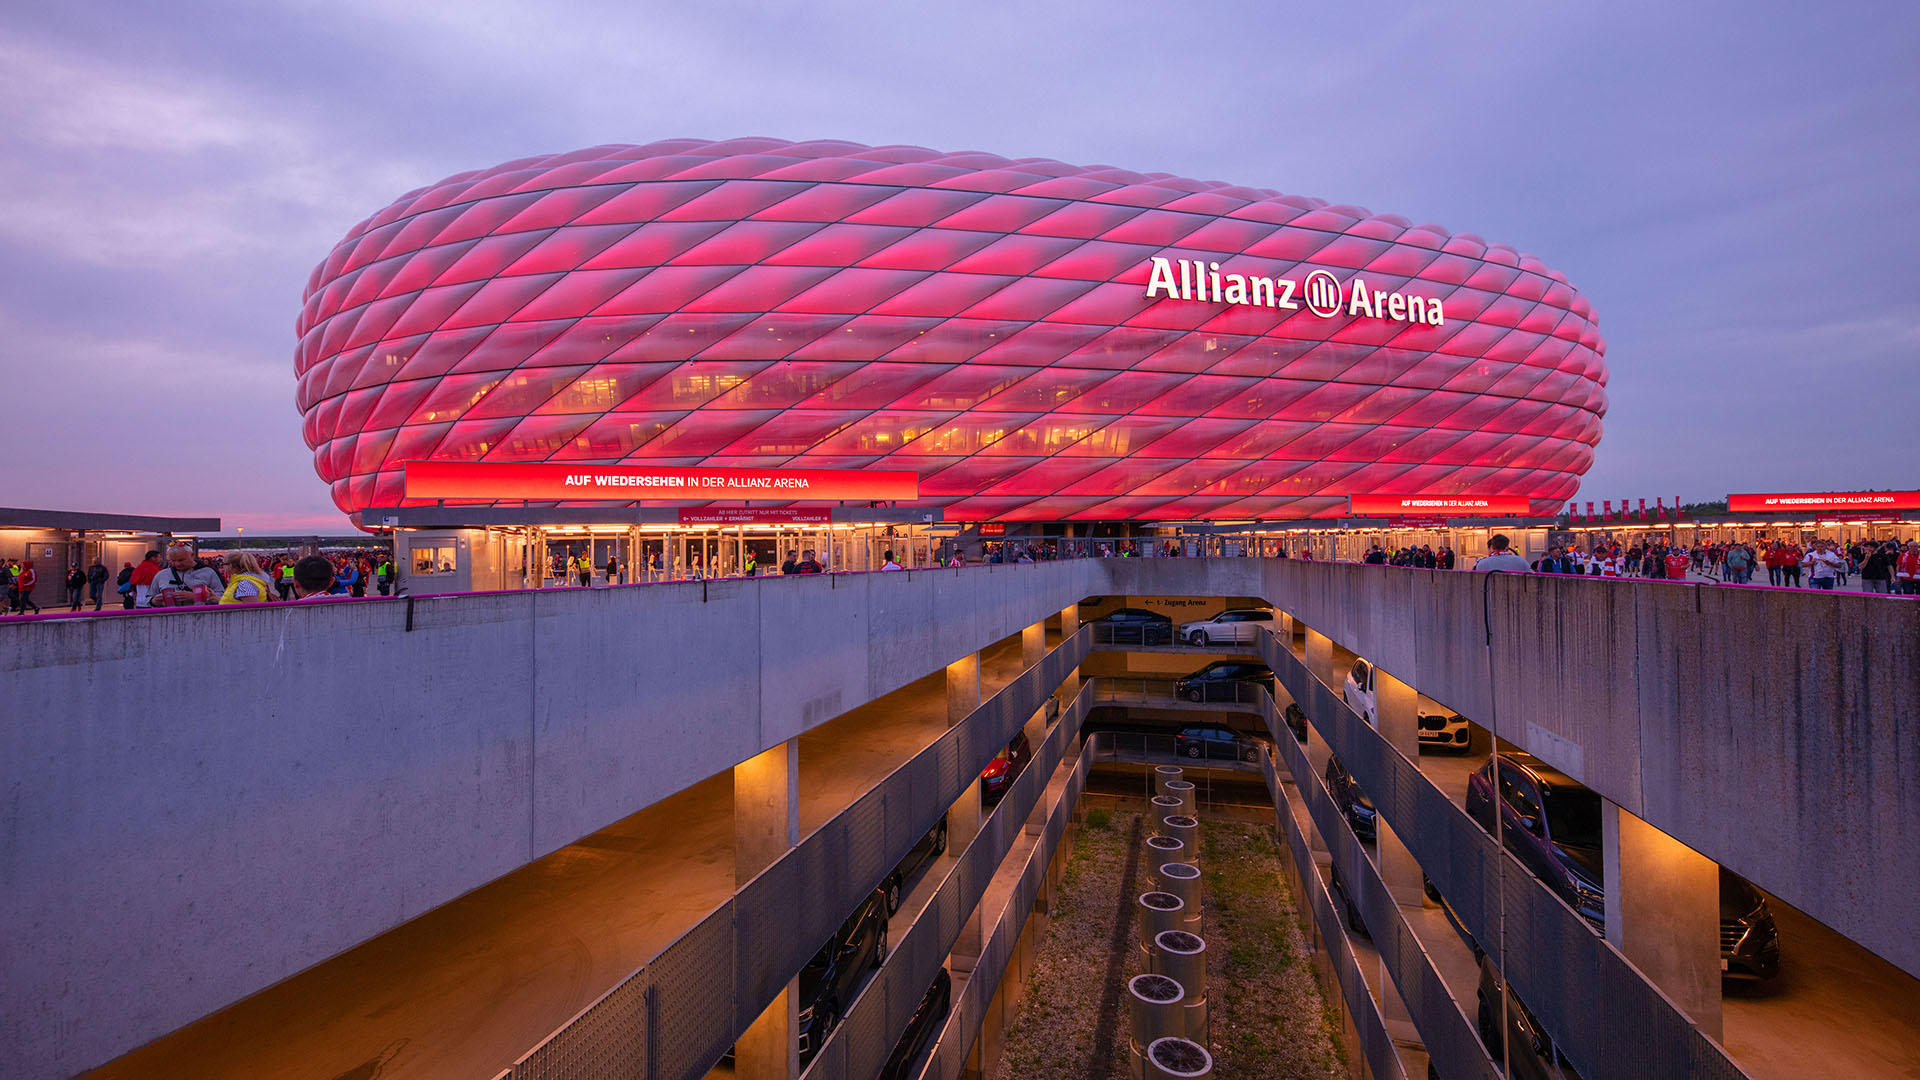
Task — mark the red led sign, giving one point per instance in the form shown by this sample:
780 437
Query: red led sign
1829 501
1437 505
627 483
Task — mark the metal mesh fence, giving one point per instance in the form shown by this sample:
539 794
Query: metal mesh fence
677 1015
1600 1011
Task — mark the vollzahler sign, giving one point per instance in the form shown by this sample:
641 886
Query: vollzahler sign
1320 292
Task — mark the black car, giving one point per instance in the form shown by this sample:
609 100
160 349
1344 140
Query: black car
1226 680
1296 720
1534 1055
1351 912
1218 743
1352 801
830 980
1552 823
1134 626
930 847
921 1029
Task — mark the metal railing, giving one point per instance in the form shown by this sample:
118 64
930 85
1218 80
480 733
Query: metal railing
1124 690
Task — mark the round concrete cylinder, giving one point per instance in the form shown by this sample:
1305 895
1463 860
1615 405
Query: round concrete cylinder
1182 957
1184 828
1158 911
1165 849
1154 1009
1162 774
1183 790
1183 881
1167 804
1177 1059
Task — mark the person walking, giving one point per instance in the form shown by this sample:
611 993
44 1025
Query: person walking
246 582
76 584
1738 562
285 581
1876 571
23 584
383 573
123 585
1823 565
1678 560
96 582
1906 570
613 569
143 576
584 565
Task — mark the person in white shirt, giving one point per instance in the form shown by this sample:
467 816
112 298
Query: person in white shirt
1498 557
1609 566
1823 565
889 564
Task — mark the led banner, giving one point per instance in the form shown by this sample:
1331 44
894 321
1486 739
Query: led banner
747 515
1829 501
1437 505
626 483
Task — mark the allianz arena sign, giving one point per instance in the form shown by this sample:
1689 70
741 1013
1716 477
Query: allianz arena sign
1323 294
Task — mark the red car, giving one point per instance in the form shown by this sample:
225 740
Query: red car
1000 772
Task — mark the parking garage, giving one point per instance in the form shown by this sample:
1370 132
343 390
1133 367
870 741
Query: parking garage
903 636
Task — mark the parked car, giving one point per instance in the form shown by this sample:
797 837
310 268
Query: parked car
1440 727
1347 907
1534 1055
1134 626
1241 626
1551 822
830 980
1226 680
930 847
1352 801
1296 720
1218 743
921 1029
999 774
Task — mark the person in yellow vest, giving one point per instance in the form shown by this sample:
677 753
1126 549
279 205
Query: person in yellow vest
286 579
383 573
246 582
753 564
584 564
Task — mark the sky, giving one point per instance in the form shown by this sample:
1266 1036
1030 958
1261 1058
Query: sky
1732 185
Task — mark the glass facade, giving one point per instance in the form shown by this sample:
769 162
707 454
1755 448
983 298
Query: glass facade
984 322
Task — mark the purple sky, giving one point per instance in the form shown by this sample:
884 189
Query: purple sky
1732 185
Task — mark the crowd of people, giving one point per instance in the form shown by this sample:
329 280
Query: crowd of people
182 577
1883 566
1422 557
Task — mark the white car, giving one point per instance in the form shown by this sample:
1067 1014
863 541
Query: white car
1440 727
1240 626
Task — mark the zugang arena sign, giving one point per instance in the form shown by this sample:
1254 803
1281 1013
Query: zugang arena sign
627 483
1320 292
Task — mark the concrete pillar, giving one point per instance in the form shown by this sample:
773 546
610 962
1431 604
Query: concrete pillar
1397 708
766 825
1070 687
1663 912
1069 621
963 687
766 809
1033 644
1320 657
770 1049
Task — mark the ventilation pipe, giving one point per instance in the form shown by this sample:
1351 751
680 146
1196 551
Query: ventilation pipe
1184 828
1155 1014
1166 848
1183 881
1182 957
1165 805
1183 790
1159 911
1163 775
1177 1059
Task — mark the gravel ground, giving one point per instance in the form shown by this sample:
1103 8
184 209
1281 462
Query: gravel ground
1268 1018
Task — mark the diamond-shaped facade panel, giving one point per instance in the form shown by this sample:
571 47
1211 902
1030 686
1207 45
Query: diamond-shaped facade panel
1038 341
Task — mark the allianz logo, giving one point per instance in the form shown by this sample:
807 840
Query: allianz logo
1321 292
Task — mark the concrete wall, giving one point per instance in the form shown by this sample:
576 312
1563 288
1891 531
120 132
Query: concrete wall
1773 731
201 803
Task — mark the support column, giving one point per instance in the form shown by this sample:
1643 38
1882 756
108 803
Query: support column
1035 730
1033 644
1069 621
1397 710
1320 657
766 825
1663 912
963 688
963 824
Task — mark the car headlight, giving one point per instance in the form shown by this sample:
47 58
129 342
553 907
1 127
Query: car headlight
806 1015
1590 902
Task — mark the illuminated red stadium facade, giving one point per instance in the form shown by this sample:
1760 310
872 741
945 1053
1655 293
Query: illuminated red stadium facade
1038 341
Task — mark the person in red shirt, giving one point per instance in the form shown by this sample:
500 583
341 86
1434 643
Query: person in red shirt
1906 570
1678 559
